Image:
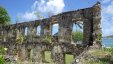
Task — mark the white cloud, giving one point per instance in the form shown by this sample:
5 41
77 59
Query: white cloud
107 19
106 1
55 25
109 9
29 16
49 7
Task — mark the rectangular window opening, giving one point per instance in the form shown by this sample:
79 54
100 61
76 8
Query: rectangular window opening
38 30
77 32
69 58
26 31
47 57
55 30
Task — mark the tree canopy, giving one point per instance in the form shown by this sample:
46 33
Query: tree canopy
4 17
77 36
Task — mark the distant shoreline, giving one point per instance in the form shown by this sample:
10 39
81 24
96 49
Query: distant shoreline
107 47
111 36
107 38
104 46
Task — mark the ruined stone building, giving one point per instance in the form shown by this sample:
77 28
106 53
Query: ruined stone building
22 40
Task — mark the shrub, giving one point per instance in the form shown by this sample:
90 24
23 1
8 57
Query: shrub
2 60
77 36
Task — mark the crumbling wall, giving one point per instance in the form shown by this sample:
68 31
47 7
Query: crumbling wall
30 47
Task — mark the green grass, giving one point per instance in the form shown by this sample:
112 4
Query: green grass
68 58
48 56
108 49
104 56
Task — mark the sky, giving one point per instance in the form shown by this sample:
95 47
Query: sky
25 10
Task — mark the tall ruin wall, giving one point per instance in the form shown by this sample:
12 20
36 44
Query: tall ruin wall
32 46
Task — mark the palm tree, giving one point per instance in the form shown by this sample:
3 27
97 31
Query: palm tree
79 24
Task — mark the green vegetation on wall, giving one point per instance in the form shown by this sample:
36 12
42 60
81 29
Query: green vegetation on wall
19 37
99 36
47 39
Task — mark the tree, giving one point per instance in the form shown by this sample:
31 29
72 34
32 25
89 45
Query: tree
77 36
4 17
78 23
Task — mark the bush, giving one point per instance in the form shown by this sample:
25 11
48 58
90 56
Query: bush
96 56
109 50
77 36
2 60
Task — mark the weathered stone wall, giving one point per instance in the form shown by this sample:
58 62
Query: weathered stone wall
31 47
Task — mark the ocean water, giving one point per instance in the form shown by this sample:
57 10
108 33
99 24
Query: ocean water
107 42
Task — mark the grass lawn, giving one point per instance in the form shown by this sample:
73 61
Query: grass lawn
68 58
48 56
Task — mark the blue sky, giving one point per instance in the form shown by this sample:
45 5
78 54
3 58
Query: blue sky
25 9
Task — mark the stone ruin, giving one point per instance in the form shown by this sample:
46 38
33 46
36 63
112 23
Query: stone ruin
31 47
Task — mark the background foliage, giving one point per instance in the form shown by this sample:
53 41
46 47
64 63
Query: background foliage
2 60
77 36
4 17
